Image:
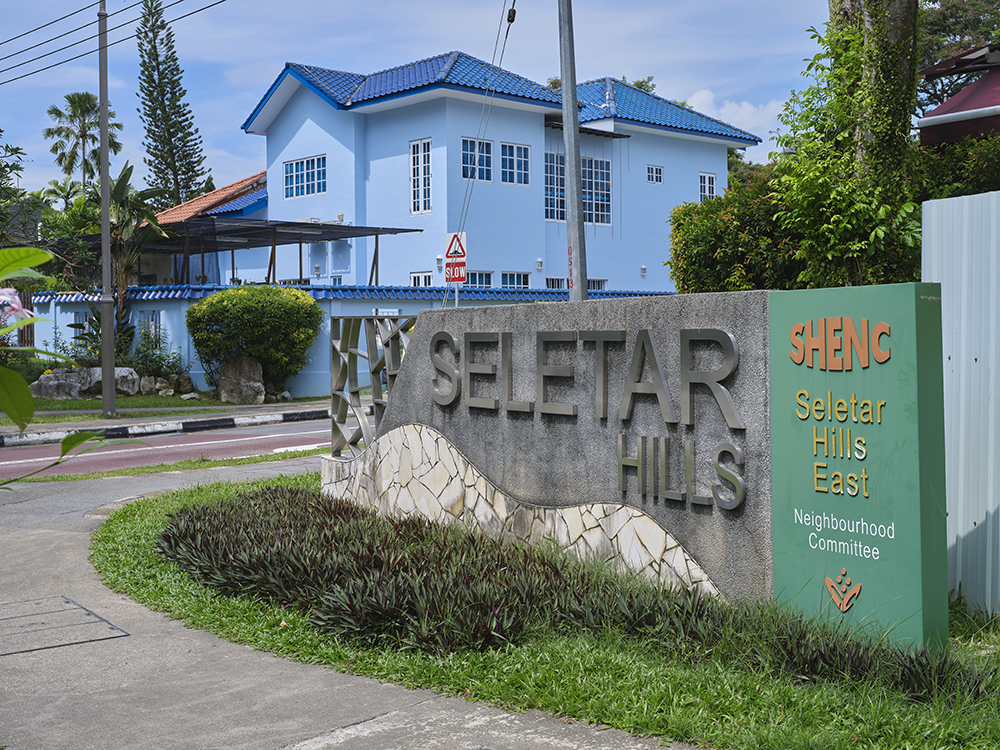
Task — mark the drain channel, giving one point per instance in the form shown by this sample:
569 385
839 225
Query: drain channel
50 622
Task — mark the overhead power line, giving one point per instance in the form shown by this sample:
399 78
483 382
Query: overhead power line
63 35
46 25
110 44
77 43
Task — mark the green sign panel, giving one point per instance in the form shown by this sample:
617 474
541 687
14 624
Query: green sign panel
857 458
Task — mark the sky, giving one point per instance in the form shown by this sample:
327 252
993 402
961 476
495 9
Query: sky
731 59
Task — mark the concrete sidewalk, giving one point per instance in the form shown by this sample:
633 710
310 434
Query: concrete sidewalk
112 674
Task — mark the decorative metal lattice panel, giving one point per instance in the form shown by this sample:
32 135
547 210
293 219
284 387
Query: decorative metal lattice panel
385 341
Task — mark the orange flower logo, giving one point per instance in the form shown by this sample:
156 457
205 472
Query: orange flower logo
842 597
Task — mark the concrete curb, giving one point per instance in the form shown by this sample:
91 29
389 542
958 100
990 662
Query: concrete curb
158 428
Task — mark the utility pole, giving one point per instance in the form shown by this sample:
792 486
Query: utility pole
575 249
107 301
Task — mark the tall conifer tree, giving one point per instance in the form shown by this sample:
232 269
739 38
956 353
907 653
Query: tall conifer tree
172 143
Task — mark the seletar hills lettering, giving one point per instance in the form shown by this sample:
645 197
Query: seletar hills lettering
652 460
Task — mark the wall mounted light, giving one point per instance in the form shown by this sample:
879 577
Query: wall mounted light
642 271
440 262
538 264
316 270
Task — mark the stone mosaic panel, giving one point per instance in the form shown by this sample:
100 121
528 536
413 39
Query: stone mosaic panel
415 469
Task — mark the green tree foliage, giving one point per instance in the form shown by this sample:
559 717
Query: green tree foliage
172 143
66 191
741 170
133 227
967 167
948 28
735 242
643 84
274 325
844 185
77 135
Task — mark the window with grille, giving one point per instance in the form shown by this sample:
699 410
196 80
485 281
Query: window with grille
477 160
596 174
555 186
482 279
706 186
514 280
514 163
654 174
422 278
420 176
305 176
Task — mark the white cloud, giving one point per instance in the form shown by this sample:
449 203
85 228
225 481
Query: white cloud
759 119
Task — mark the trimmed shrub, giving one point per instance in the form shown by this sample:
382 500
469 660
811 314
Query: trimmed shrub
274 325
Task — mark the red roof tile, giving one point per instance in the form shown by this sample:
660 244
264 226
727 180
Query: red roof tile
198 206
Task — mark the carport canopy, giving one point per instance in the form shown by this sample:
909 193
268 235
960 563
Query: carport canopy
209 234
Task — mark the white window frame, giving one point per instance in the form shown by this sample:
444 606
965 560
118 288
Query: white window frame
556 282
597 285
303 177
515 164
555 186
706 186
479 279
421 278
596 175
420 177
515 280
654 174
336 281
477 160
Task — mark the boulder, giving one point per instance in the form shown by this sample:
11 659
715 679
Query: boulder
285 396
165 392
60 384
241 382
191 397
126 381
147 385
184 383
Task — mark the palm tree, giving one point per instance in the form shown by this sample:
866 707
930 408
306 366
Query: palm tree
66 191
77 134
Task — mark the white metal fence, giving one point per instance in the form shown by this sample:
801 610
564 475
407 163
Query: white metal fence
961 250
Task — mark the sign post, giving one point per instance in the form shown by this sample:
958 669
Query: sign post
454 267
857 456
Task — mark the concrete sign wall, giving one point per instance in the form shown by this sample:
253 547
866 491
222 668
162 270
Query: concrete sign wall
659 403
667 408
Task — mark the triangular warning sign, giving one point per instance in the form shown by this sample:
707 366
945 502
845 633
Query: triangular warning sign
456 246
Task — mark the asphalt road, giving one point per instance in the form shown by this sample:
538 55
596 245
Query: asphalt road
170 448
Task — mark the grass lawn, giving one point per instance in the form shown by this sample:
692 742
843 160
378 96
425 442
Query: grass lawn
697 693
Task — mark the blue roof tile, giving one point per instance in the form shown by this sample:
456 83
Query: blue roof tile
336 84
186 291
240 203
609 97
451 68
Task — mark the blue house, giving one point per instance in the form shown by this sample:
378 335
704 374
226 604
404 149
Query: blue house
453 143
441 145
